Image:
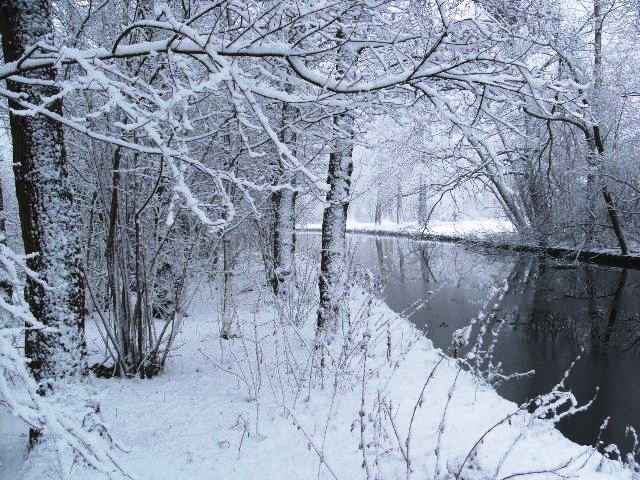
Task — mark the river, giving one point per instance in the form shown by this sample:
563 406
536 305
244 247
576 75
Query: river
553 311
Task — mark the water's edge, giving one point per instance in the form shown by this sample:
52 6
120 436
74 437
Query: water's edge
607 259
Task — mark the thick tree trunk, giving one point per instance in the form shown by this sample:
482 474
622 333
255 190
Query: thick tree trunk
333 268
284 239
284 209
596 152
50 220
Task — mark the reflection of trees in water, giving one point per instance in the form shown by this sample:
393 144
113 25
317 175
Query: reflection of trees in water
615 306
382 269
422 252
582 305
520 278
515 306
622 329
400 262
550 316
570 304
450 264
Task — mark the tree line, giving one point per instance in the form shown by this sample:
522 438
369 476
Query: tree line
152 140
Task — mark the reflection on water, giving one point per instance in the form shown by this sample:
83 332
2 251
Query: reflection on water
553 310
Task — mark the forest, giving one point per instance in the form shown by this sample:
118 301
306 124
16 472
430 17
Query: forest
331 239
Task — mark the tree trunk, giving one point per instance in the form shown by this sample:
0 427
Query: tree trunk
399 204
5 286
227 290
3 230
284 209
598 71
333 268
614 218
378 213
596 143
228 255
422 203
284 239
497 175
596 152
508 199
50 220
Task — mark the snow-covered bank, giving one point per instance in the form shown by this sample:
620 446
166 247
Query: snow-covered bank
459 229
492 234
255 407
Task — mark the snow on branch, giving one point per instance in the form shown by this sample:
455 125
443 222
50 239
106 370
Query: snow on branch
70 426
198 67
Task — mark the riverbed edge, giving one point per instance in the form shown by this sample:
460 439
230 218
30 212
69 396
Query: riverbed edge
596 257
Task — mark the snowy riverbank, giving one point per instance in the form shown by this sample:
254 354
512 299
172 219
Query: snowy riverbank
493 234
459 229
254 407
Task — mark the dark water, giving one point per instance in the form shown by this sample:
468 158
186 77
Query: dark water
553 311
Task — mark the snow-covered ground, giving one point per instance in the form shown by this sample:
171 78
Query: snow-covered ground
256 407
462 228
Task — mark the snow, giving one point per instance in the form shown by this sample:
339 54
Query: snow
246 409
459 229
